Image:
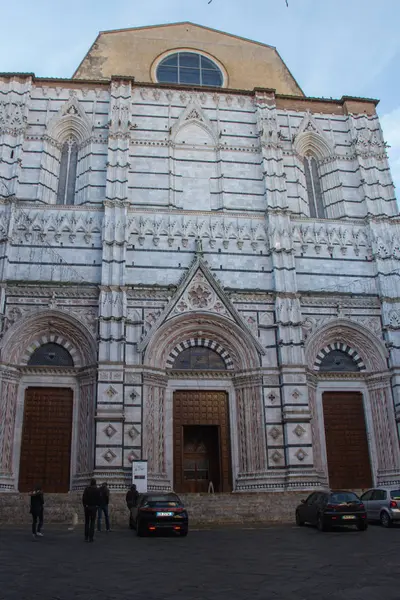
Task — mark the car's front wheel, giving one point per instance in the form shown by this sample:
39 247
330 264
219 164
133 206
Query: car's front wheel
299 521
386 521
362 526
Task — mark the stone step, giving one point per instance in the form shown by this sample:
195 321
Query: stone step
202 508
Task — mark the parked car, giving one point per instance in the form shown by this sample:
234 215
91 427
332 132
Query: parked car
156 512
382 504
332 507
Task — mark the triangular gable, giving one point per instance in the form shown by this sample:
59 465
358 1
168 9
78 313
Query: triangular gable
309 124
200 291
310 137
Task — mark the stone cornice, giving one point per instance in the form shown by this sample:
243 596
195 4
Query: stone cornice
153 378
59 371
247 380
200 374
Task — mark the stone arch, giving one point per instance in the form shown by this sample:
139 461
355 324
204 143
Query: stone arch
343 348
33 331
194 127
367 346
309 142
55 339
235 341
195 132
203 342
70 121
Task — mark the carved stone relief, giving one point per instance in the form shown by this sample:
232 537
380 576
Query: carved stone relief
199 295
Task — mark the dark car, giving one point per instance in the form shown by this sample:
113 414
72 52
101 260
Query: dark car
332 508
160 512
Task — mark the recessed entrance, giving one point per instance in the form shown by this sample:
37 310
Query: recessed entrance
46 439
201 441
346 441
201 459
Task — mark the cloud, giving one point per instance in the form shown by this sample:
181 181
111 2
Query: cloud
391 130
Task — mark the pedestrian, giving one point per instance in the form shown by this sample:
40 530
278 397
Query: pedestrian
132 496
103 508
91 503
36 510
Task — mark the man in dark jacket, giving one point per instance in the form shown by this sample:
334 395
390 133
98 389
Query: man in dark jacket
103 508
37 503
131 500
91 503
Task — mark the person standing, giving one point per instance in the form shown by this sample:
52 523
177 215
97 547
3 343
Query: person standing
103 508
91 503
132 496
37 510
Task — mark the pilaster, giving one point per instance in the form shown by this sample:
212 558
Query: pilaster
154 414
9 381
113 302
13 125
386 438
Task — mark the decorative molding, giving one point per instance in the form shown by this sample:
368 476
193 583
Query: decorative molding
56 226
29 332
13 118
70 120
179 230
368 347
310 138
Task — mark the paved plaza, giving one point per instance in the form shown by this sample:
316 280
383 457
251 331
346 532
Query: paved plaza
280 562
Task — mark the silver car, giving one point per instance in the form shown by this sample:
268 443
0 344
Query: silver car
382 504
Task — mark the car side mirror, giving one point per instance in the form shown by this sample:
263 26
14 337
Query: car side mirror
303 501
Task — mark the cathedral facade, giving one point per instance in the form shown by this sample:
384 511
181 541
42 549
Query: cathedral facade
199 268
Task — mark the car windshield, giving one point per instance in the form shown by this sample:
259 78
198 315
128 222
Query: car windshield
161 501
395 494
341 497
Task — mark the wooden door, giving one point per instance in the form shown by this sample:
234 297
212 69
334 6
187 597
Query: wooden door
46 440
346 441
211 444
201 457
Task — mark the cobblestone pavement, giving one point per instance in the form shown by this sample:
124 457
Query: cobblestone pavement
280 562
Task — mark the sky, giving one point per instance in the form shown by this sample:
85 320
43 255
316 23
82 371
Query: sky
332 47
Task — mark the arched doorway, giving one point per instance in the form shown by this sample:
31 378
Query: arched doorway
353 424
45 457
346 439
203 412
47 392
201 426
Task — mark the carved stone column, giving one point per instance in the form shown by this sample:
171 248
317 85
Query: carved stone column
154 430
386 441
251 434
85 429
9 381
319 466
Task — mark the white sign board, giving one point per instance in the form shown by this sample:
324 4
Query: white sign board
139 475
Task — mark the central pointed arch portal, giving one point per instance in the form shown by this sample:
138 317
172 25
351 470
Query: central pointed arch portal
202 405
